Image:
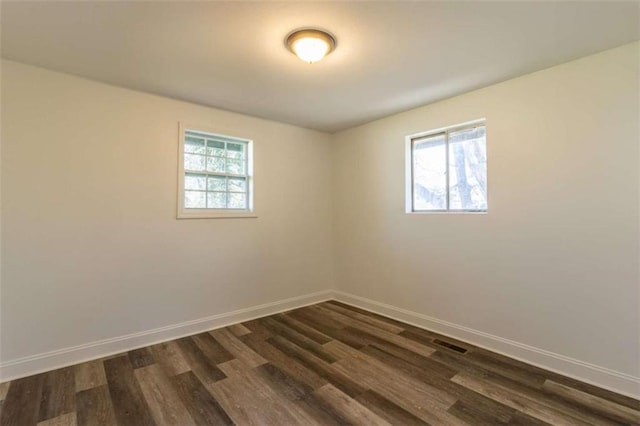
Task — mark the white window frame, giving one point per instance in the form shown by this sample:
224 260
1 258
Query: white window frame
189 213
409 187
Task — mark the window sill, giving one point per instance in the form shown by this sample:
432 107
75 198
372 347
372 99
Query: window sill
427 212
216 214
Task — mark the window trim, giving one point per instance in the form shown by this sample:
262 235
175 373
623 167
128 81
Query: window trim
184 213
409 175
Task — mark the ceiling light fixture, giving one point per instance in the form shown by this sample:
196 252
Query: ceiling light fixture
310 44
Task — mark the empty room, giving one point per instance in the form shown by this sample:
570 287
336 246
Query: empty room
319 213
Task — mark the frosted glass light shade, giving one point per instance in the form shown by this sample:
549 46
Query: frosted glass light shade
310 45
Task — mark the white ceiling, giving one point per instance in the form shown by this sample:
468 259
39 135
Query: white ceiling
391 56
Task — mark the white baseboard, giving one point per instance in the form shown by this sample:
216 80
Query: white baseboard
39 363
599 376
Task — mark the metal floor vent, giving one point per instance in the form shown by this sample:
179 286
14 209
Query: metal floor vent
450 346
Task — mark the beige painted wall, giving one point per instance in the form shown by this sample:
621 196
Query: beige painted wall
554 264
91 248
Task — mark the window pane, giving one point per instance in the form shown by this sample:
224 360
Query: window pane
217 183
216 200
429 173
194 145
237 185
215 164
194 162
237 201
194 200
468 169
215 148
194 181
235 166
216 174
235 150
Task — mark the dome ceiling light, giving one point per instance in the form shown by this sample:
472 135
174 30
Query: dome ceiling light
310 45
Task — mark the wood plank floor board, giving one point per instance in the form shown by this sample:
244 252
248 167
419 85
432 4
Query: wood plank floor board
289 365
258 332
524 383
378 317
203 367
89 375
329 327
424 363
518 371
254 379
592 403
4 388
118 355
340 318
522 419
321 411
233 368
471 414
482 405
387 410
588 414
164 403
237 348
389 340
307 317
249 400
429 338
310 316
370 330
519 402
22 403
458 362
285 384
383 325
239 330
327 371
348 336
325 364
170 357
429 363
94 407
536 376
129 405
281 329
68 419
58 394
202 406
304 329
355 338
212 348
339 350
299 393
381 378
349 408
617 398
141 357
231 397
421 400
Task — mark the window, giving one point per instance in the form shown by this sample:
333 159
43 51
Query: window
215 176
447 170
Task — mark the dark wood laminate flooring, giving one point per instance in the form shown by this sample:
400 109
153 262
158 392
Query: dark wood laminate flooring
324 364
